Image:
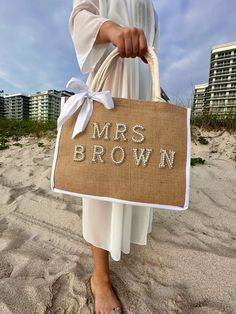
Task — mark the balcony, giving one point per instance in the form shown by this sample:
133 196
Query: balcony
221 103
219 72
222 89
212 75
229 65
228 56
233 104
225 59
221 97
222 81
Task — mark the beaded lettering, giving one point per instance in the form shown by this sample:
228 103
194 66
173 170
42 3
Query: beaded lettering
79 153
117 154
98 151
121 128
118 162
140 140
142 155
98 134
165 157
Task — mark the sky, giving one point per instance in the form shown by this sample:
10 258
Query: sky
37 52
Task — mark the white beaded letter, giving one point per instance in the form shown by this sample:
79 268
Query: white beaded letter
98 151
142 138
121 128
98 134
142 155
165 157
79 152
118 162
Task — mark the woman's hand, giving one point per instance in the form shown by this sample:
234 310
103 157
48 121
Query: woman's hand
130 41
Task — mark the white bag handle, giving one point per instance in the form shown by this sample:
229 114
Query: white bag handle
152 60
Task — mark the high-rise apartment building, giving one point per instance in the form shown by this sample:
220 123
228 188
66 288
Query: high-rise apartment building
16 106
42 106
46 105
220 94
1 106
199 99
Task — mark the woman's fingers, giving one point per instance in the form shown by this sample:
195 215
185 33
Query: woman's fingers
142 44
120 44
130 41
135 42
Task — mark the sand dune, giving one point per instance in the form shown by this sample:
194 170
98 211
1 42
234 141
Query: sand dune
188 265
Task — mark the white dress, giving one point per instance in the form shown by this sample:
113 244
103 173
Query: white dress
110 225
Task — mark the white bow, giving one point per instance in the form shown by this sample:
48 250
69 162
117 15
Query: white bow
85 99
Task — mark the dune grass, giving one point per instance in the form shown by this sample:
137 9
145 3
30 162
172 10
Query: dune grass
17 128
216 123
13 129
196 161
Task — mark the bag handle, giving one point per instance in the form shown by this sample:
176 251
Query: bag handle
105 67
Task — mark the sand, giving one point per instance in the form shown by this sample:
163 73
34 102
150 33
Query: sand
187 266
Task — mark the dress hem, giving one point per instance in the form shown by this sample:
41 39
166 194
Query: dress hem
102 247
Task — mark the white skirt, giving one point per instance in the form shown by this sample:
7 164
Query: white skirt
113 226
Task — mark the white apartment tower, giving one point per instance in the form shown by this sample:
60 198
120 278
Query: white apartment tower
220 94
46 105
199 99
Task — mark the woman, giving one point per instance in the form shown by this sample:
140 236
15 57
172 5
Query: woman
97 27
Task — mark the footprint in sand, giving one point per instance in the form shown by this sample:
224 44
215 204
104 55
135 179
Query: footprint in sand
68 295
5 269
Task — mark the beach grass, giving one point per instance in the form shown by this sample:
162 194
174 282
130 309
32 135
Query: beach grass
13 130
197 161
202 140
215 123
16 128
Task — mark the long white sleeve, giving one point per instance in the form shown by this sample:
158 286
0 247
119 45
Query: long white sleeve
84 23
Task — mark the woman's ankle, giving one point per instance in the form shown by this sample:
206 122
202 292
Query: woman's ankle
100 277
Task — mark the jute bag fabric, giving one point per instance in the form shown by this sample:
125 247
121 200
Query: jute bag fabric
158 129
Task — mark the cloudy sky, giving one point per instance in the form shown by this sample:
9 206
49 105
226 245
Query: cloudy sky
37 52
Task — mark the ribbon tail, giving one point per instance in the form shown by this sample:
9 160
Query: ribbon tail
69 107
83 117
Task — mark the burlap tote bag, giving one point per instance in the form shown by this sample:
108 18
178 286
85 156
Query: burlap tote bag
124 150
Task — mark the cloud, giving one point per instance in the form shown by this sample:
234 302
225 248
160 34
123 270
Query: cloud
188 31
37 52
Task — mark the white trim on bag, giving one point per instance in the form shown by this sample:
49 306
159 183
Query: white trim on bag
104 198
55 158
188 161
63 100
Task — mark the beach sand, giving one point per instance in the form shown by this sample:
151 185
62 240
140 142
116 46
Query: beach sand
187 266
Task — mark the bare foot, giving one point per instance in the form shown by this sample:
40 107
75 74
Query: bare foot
105 298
